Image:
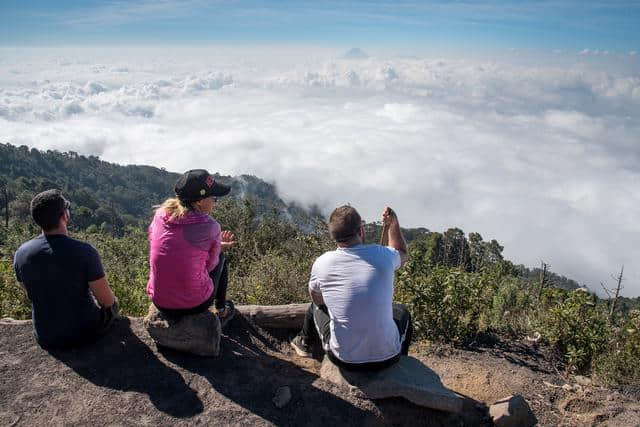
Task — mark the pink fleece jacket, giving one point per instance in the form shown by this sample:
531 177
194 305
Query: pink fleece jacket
182 252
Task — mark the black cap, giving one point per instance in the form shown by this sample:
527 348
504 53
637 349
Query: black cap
197 184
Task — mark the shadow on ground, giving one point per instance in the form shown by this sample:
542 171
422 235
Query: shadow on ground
248 375
125 363
516 352
124 379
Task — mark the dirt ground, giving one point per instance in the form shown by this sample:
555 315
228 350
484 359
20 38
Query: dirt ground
125 379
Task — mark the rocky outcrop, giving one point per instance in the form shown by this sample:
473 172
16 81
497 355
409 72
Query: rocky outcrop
124 379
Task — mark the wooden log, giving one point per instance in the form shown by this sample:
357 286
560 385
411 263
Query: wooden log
10 321
290 316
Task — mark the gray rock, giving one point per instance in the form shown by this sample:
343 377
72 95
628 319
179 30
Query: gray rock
573 388
512 411
197 333
282 397
610 397
583 381
407 378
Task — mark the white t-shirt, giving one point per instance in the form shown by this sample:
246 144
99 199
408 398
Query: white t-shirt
356 284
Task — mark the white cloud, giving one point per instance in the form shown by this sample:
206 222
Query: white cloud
541 156
399 113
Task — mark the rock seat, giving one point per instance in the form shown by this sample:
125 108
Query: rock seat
408 378
197 333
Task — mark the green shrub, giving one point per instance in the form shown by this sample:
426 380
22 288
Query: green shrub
273 279
126 264
14 302
577 326
280 275
447 304
620 364
511 306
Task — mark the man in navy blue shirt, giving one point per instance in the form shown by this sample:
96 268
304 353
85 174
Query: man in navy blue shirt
72 302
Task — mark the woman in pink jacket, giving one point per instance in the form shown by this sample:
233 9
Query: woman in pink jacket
188 272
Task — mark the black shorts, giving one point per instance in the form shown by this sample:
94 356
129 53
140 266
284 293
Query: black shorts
402 319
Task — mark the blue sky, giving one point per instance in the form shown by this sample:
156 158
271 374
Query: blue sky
604 25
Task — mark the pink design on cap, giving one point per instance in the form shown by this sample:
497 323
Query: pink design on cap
210 181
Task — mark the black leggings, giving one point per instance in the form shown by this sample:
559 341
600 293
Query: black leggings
220 278
316 325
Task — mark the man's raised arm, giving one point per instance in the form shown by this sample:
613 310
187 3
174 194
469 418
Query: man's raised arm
394 234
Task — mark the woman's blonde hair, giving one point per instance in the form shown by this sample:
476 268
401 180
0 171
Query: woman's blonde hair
173 207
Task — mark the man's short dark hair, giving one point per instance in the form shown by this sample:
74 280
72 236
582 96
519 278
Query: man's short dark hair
344 222
47 207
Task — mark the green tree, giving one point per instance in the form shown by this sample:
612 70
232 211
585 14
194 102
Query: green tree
477 249
20 207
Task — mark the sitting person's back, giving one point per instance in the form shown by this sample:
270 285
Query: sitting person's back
187 269
182 252
62 276
352 311
357 286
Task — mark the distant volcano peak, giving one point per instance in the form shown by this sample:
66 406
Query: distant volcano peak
355 53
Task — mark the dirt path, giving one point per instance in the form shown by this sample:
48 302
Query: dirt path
124 379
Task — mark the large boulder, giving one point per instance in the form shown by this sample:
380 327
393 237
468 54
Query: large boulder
196 333
408 378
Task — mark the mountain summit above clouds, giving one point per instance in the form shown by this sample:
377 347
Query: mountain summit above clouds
355 53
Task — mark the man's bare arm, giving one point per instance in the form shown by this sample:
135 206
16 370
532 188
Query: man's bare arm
316 297
394 237
102 292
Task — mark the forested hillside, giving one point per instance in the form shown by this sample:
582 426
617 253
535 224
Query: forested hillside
458 286
109 195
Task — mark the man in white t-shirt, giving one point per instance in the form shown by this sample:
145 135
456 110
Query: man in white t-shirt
352 312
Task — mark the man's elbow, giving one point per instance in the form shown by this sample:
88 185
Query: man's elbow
102 292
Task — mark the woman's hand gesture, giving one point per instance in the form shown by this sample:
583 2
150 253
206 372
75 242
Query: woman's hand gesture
228 239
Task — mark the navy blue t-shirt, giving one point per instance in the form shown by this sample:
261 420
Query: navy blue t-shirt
56 270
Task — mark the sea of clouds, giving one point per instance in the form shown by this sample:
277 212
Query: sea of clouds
539 152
